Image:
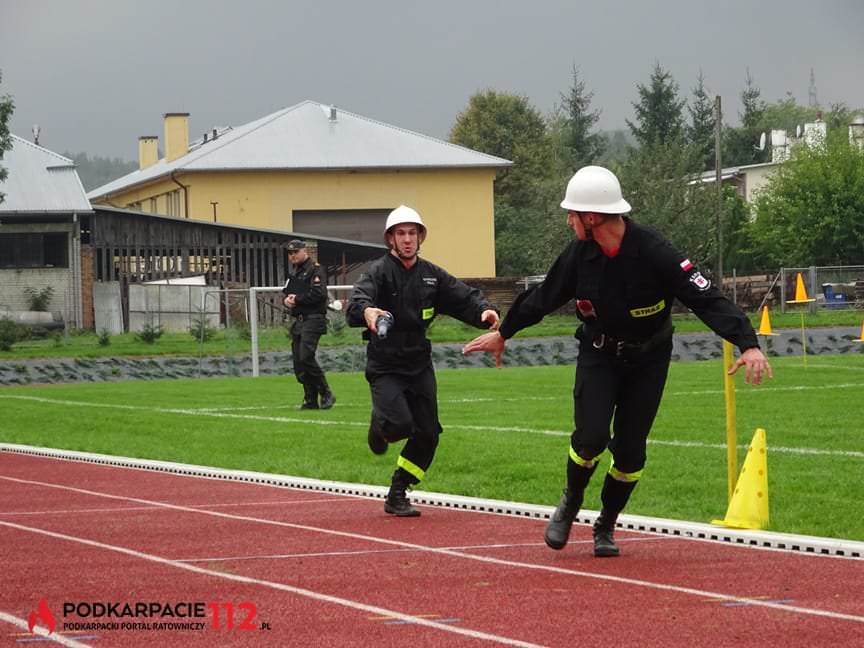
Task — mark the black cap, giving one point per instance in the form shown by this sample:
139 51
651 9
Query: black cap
296 244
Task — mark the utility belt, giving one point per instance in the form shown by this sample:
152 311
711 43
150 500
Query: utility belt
303 316
629 350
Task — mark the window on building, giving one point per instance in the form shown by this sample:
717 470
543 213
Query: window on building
48 250
173 200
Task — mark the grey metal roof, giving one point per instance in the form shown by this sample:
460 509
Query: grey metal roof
40 181
304 137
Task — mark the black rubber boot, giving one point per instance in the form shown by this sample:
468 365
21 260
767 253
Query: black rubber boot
375 437
397 501
327 397
558 529
310 397
604 543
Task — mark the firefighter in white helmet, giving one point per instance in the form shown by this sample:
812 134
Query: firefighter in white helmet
624 278
396 301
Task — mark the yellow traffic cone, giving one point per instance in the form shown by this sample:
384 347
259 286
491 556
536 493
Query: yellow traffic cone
765 324
861 339
800 292
748 508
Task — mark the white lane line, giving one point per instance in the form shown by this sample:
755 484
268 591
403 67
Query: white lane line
318 596
471 428
364 552
125 509
42 632
447 552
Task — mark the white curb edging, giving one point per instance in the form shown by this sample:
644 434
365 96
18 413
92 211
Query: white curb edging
677 528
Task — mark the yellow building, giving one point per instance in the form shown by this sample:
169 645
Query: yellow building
315 170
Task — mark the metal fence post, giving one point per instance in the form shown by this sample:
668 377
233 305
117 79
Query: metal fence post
812 305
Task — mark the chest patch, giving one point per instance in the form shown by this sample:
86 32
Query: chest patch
648 310
430 281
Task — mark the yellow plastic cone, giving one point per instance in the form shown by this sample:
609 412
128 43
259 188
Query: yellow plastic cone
861 339
765 324
748 508
800 292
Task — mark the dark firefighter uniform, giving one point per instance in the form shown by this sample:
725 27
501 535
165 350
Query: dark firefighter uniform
624 304
309 282
399 368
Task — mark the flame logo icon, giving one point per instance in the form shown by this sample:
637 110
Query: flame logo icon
42 613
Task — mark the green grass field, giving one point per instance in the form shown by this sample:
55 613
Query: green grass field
506 435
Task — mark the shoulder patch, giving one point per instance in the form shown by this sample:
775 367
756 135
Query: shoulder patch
700 281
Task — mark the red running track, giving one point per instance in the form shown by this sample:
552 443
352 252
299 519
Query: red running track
329 570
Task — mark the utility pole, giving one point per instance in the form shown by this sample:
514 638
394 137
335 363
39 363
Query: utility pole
718 125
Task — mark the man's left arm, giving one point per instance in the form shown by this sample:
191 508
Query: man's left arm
706 300
458 299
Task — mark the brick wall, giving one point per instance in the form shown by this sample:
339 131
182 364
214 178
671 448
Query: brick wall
87 265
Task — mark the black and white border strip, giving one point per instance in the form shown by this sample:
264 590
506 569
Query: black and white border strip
694 530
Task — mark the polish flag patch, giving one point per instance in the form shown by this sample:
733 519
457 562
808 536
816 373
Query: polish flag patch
686 265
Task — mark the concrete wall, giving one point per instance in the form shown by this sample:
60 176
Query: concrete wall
174 308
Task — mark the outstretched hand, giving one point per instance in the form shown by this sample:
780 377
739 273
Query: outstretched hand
492 318
755 364
490 342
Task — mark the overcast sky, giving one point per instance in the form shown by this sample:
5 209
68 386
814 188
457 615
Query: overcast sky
96 74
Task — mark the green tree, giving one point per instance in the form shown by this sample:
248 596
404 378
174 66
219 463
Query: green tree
7 106
659 117
700 130
580 146
508 126
658 181
739 144
526 212
811 211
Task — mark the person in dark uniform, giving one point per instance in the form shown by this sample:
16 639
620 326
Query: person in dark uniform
624 278
306 296
396 301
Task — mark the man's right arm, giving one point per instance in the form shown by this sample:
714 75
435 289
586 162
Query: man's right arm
363 296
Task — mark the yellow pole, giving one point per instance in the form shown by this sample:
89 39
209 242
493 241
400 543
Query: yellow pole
731 442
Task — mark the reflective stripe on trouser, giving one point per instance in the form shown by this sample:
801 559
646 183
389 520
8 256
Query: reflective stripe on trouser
416 471
624 476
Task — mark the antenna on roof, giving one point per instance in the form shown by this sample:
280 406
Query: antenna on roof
36 131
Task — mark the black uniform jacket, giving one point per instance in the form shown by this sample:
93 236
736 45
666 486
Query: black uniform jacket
414 297
309 283
629 297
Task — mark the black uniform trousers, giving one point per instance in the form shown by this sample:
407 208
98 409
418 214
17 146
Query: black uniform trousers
406 406
624 393
305 334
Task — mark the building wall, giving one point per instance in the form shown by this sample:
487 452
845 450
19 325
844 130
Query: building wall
13 281
756 178
456 205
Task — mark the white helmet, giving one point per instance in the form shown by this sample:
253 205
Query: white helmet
403 214
595 189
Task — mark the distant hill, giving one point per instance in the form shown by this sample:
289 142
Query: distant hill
97 171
